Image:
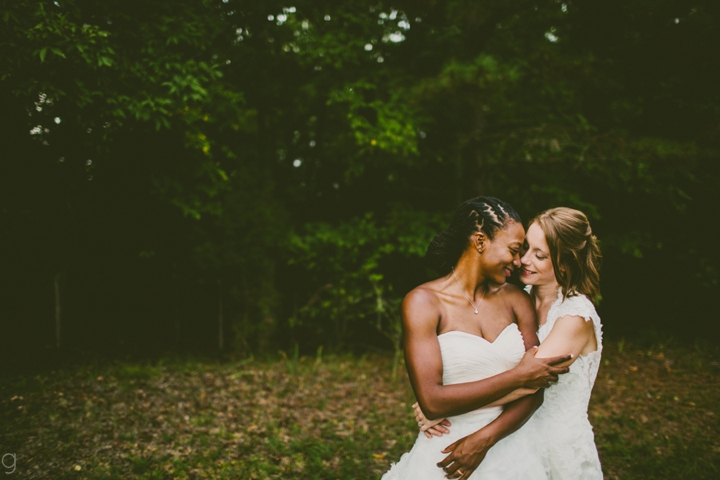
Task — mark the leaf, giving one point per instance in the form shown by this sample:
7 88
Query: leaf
43 52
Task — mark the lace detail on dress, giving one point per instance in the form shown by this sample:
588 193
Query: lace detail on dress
577 305
561 424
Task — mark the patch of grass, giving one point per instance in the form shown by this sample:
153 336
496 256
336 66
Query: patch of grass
654 410
137 372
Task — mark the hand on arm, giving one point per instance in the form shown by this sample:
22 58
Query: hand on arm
466 454
424 364
570 334
436 427
421 315
527 324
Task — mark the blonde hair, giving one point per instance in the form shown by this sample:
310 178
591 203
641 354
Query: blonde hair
574 251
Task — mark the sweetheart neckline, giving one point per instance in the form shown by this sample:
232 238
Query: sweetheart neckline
478 336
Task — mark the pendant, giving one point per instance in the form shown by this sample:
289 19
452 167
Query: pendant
476 311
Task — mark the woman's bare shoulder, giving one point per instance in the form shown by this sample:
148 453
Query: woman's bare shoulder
518 300
423 301
423 295
513 293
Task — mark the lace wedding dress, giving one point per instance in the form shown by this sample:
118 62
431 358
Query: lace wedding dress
560 426
467 358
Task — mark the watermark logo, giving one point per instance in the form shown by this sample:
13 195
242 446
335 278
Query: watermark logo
9 461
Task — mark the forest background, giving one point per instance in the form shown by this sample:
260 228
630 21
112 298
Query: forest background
248 176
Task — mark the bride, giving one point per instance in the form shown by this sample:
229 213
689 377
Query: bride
560 269
466 335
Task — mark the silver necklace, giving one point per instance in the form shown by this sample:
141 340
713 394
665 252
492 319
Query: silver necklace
466 297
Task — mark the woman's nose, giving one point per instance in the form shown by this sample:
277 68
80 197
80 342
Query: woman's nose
517 261
524 258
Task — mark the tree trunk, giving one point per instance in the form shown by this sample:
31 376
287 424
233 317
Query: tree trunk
220 317
176 304
177 316
58 313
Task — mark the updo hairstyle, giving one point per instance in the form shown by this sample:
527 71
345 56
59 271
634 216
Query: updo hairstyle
480 214
574 251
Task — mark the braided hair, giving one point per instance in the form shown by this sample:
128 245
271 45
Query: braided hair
479 214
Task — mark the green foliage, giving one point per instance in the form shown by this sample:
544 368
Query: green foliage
377 123
161 72
345 267
253 152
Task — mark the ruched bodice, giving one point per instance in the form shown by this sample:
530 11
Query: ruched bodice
468 358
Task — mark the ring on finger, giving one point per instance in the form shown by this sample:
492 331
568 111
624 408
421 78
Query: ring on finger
419 424
459 472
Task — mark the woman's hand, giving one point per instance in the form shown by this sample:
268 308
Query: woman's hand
431 427
541 372
466 455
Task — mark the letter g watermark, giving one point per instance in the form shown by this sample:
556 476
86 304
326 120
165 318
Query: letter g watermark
7 463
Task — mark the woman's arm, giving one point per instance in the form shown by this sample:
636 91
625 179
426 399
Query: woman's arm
467 453
512 396
438 427
421 315
570 334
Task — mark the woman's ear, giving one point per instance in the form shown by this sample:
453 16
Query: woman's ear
479 241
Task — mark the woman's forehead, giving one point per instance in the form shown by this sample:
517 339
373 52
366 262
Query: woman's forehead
536 235
513 232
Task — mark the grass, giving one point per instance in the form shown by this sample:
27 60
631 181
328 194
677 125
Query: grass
654 412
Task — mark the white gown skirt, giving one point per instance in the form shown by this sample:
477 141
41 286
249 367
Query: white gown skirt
512 458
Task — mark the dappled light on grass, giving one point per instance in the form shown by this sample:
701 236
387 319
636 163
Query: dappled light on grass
654 413
338 418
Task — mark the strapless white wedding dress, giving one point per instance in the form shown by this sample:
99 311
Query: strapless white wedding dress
467 358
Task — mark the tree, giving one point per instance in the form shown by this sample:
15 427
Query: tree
278 148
